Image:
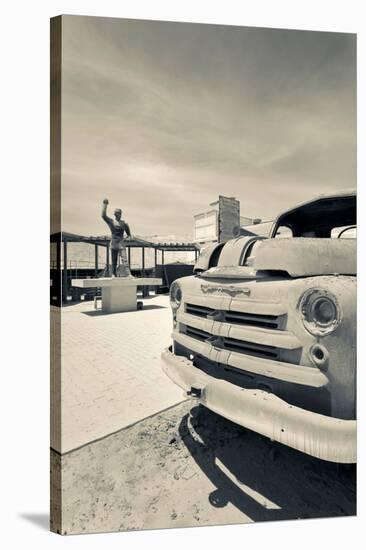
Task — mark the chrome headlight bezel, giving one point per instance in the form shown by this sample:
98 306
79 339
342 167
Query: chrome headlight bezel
320 311
175 295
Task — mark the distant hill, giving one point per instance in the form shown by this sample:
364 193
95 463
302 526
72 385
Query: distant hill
187 238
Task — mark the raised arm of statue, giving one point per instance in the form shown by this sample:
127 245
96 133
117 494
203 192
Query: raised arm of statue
104 211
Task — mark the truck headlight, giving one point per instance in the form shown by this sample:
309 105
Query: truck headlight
175 295
320 311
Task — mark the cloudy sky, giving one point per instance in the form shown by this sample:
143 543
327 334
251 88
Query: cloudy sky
161 118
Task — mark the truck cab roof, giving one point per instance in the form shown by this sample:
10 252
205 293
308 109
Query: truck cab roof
317 218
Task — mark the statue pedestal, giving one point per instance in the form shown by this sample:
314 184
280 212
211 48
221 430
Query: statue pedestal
115 298
118 293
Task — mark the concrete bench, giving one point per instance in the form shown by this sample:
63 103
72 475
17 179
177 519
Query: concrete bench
118 293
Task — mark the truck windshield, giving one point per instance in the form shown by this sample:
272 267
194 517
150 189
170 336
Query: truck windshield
318 218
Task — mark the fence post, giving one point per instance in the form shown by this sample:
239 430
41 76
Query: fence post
96 260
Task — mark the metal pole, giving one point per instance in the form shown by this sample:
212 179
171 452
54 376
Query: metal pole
145 289
129 256
107 259
96 260
162 257
143 260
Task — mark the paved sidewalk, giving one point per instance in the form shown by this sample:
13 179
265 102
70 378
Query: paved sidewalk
111 369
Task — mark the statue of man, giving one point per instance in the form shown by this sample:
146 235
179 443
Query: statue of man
118 228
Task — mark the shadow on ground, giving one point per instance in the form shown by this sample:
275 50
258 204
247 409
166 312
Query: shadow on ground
152 306
187 466
101 313
265 480
40 520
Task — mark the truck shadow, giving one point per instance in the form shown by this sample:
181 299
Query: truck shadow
265 480
101 313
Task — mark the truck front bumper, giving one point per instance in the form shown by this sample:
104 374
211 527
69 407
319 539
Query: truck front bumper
317 435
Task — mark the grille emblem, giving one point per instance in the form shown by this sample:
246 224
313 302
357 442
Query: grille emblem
230 289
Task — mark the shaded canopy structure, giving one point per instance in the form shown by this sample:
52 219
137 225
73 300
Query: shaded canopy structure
62 239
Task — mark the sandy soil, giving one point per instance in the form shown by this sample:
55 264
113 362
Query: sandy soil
188 467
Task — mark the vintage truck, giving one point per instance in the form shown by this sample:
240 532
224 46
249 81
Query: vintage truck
264 332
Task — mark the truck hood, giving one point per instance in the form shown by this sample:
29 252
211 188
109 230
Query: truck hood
306 257
298 257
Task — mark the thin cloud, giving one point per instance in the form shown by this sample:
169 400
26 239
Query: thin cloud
163 117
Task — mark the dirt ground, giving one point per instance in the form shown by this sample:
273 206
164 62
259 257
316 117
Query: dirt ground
187 466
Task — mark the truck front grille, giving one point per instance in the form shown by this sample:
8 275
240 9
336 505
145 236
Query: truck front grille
232 344
200 311
236 317
197 333
243 328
